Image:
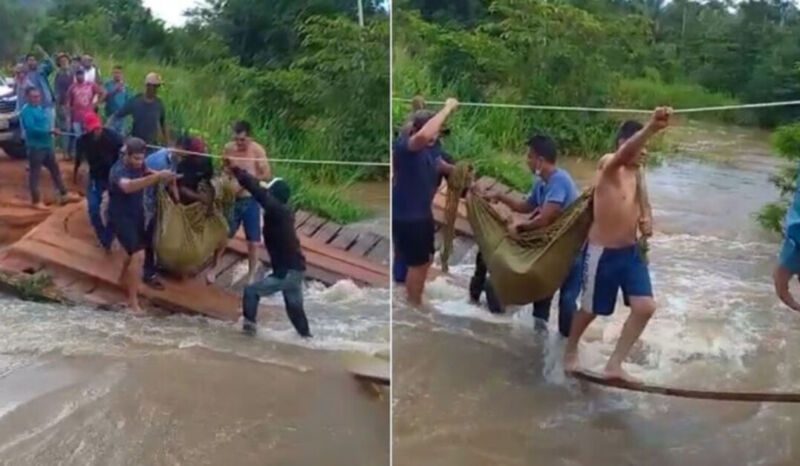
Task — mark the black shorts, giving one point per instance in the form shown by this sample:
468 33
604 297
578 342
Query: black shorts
130 233
414 241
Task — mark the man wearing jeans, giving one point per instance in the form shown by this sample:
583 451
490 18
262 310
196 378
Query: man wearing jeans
550 197
100 147
39 132
286 256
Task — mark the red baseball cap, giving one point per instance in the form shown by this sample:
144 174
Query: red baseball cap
92 122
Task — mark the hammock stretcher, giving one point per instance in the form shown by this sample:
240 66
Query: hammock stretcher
534 265
187 236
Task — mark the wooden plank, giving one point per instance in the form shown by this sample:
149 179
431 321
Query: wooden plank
300 218
328 232
698 394
345 239
311 226
365 243
485 183
380 252
187 296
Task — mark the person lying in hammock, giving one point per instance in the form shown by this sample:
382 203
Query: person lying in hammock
286 255
554 193
789 256
611 256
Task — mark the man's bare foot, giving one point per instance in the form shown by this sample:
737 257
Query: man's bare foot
618 373
40 206
69 198
251 278
136 311
570 362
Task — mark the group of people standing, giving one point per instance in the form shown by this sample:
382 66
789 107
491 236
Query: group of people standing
129 171
610 260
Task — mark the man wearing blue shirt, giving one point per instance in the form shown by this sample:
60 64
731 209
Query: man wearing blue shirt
116 98
551 195
39 132
163 160
37 75
789 256
417 164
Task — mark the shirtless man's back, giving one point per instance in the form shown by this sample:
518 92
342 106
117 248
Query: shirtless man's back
611 258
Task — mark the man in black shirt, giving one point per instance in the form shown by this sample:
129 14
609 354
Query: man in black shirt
194 170
100 147
286 256
147 111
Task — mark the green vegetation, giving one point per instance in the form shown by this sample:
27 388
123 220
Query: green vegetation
786 141
311 81
595 53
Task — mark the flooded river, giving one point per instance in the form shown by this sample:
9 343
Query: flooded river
82 387
472 388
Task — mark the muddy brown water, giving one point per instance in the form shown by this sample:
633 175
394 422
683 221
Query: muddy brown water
85 387
474 389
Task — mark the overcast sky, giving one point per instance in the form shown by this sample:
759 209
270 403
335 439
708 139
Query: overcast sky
171 11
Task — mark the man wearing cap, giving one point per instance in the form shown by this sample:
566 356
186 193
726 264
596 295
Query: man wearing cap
417 165
128 180
285 252
81 102
100 147
148 113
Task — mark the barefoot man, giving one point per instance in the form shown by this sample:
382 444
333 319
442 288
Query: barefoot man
248 155
417 164
611 258
128 180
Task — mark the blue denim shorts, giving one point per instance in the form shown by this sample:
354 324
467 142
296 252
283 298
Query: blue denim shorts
246 212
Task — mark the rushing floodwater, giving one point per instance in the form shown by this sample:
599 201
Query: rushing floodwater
85 387
473 388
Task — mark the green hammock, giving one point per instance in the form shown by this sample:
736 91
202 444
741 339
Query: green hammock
188 235
534 266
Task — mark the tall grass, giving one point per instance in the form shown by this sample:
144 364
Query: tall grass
209 100
494 139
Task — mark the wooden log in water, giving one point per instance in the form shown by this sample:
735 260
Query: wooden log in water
697 394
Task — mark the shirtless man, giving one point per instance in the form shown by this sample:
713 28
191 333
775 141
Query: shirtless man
248 155
611 258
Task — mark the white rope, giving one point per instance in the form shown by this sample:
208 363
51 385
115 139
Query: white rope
300 161
611 109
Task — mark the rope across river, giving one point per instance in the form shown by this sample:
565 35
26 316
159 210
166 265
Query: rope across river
559 108
459 180
298 161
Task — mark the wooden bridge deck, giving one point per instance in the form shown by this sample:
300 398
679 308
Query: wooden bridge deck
462 225
62 243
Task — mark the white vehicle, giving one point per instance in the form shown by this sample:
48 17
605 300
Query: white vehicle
10 132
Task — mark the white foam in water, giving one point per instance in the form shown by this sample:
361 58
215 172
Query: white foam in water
343 317
706 305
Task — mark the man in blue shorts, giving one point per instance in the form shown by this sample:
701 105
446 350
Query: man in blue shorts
551 195
789 257
417 165
612 260
127 182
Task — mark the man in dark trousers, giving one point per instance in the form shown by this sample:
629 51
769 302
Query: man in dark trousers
100 147
283 246
148 113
